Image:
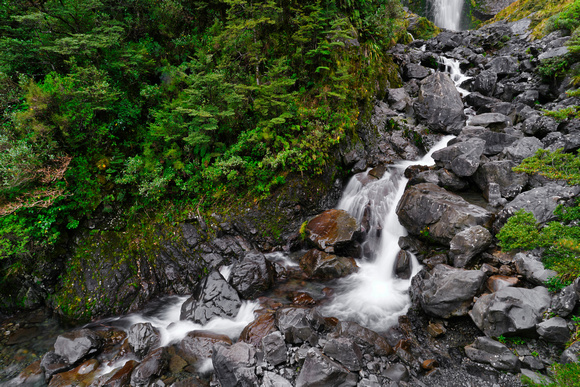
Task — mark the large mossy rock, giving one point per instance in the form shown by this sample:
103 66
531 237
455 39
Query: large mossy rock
333 231
439 104
429 210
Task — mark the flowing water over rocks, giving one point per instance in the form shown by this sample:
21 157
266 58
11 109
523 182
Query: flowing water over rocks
353 298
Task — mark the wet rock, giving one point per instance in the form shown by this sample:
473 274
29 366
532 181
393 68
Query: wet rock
564 303
32 375
571 354
493 121
489 351
345 351
82 375
52 364
554 330
498 282
319 370
447 291
467 244
427 208
234 365
142 337
252 276
436 329
332 231
462 158
213 298
439 104
532 269
365 338
396 373
255 331
77 345
153 365
274 380
321 265
510 311
403 265
303 299
485 82
198 345
300 325
274 348
510 183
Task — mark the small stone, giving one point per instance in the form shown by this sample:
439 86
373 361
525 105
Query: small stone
436 329
429 364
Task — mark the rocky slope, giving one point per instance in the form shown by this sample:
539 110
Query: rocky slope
467 295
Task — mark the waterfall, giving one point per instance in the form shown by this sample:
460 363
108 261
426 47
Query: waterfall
373 296
452 68
447 13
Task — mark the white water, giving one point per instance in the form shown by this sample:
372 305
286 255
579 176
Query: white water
452 67
447 13
373 297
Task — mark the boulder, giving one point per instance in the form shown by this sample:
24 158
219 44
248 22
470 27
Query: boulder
118 377
252 276
571 354
402 267
214 297
489 351
153 365
321 265
429 209
399 99
510 311
345 351
521 149
299 325
496 142
500 172
467 244
198 345
142 337
332 231
493 121
554 330
484 83
396 373
77 345
235 365
446 291
564 303
462 158
415 71
365 338
274 348
541 201
272 379
319 370
52 364
504 65
498 282
532 269
439 104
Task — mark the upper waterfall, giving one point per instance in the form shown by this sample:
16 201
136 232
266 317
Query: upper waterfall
447 13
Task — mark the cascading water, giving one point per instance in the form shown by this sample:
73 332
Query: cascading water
447 13
373 296
452 68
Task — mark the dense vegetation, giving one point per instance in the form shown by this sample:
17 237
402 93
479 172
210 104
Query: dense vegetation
119 106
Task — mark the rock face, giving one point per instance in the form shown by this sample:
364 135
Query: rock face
213 298
510 311
274 348
554 330
429 209
142 337
462 158
532 269
321 265
300 325
500 172
332 231
446 291
153 365
253 276
439 104
198 345
345 351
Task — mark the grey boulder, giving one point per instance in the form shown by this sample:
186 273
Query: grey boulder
320 370
462 158
252 276
467 244
77 345
235 365
489 351
532 269
554 330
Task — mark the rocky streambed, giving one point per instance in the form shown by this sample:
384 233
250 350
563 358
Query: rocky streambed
453 320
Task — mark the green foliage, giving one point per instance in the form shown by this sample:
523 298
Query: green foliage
562 375
555 284
520 232
553 68
553 165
